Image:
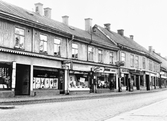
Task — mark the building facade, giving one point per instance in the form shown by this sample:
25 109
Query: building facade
141 70
40 56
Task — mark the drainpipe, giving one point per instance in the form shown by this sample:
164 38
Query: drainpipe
66 84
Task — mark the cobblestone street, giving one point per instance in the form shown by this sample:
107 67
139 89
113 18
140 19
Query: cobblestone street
82 110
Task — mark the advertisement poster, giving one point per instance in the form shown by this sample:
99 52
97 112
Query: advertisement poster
51 83
47 82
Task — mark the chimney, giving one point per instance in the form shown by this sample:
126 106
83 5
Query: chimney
150 49
107 26
65 19
121 32
88 24
39 8
131 36
47 12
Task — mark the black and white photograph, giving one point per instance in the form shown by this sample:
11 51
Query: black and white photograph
83 60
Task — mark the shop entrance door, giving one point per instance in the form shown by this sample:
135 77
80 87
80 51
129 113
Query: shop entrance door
22 80
137 82
147 82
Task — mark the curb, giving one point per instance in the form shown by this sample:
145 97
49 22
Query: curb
7 106
71 98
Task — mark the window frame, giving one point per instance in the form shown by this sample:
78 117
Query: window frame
137 61
58 46
123 58
100 56
132 59
90 53
75 50
45 43
111 56
144 63
19 45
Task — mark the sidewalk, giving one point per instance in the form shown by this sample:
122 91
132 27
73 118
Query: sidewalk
60 98
154 112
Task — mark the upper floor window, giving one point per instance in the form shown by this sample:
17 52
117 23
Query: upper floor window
19 38
57 43
90 53
123 56
144 63
132 60
100 55
150 65
74 50
43 43
137 61
111 57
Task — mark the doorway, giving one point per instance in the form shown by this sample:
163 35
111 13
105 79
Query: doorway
22 80
147 82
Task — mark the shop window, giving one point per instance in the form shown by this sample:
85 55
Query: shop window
57 43
100 56
5 78
45 79
137 61
106 81
74 50
111 58
78 80
19 38
132 60
43 44
90 53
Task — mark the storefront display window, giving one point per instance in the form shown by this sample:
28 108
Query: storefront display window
78 79
45 79
5 77
106 81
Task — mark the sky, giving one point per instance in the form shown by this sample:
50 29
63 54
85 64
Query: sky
145 19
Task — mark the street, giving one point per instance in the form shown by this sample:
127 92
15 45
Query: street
83 110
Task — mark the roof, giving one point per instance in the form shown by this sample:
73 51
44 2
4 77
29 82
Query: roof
125 41
50 23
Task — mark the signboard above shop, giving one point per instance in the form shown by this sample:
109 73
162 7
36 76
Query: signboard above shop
109 70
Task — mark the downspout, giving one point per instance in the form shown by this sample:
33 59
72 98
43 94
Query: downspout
67 69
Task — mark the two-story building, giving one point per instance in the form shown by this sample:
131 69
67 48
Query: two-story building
140 67
163 69
41 56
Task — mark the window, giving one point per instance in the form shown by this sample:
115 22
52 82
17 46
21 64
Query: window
100 55
132 60
150 65
137 61
111 57
144 63
90 53
154 66
74 50
57 43
43 43
19 38
123 56
5 77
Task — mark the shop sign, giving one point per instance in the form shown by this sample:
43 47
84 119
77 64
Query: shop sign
67 66
123 70
98 69
108 70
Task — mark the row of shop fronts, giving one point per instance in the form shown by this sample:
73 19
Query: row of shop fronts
40 78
